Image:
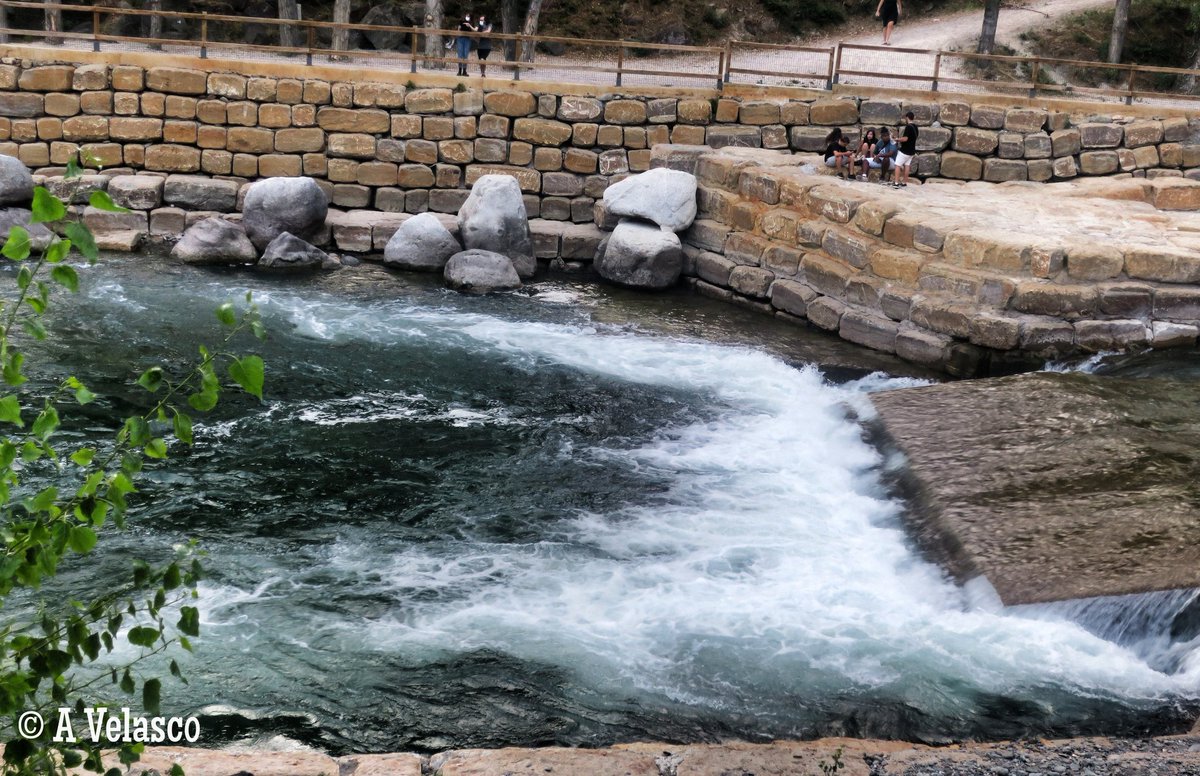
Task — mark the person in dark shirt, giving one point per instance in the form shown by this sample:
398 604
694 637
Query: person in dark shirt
838 154
881 156
888 11
483 48
907 150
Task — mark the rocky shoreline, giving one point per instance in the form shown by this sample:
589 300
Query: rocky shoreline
1092 756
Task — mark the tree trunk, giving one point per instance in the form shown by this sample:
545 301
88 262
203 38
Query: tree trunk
987 35
435 19
289 34
1116 44
1188 83
53 23
510 22
531 28
156 22
341 15
4 24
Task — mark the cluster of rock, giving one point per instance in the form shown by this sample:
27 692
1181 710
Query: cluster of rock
650 209
278 214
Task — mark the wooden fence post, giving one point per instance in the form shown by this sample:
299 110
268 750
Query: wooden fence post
412 52
937 69
204 36
95 29
620 59
1133 72
837 66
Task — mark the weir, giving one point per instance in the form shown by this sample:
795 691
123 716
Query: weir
1056 486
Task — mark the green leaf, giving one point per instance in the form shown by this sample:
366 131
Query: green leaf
34 328
24 278
260 331
12 369
152 695
81 237
151 379
248 373
57 251
101 201
189 621
226 315
127 684
143 636
156 448
138 430
82 539
10 411
65 276
203 401
46 207
17 247
83 395
176 770
71 758
83 456
183 427
73 169
46 422
171 577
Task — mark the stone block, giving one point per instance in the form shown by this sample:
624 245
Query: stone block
875 332
1098 162
694 111
47 78
1011 145
1065 167
980 142
421 151
371 173
1165 264
1025 120
758 112
415 176
736 136
84 128
529 180
663 110
624 112
129 129
1000 170
961 166
833 113
514 103
987 116
1143 133
368 120
431 101
1098 135
468 103
404 126
180 107
933 139
176 80
921 346
372 95
302 140
21 105
351 145
250 140
1066 142
754 282
547 132
955 114
1040 170
879 112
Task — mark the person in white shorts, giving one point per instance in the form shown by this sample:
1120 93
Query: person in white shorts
908 149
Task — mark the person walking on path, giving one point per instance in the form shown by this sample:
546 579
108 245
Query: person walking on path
888 11
483 47
462 44
908 149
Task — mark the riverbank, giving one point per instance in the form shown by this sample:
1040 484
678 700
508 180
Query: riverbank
1174 755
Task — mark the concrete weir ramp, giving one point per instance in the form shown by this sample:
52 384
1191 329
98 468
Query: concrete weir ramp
1055 486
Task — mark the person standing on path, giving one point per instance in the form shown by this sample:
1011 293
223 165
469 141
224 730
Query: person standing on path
889 12
483 48
908 149
462 44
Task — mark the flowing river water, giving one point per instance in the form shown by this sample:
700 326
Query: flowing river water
574 516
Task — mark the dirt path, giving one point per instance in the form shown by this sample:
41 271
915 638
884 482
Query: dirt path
961 30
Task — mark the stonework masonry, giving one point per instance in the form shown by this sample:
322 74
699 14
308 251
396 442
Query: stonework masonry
398 148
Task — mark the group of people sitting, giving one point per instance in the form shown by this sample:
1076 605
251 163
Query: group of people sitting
877 151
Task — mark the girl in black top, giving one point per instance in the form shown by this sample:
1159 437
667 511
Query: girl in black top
838 154
888 11
462 44
483 47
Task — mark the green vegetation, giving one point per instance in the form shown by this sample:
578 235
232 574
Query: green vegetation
58 495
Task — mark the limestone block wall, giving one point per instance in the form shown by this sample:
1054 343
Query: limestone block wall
969 278
398 148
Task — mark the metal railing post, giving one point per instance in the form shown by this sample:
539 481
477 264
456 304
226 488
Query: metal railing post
837 66
620 59
937 69
204 36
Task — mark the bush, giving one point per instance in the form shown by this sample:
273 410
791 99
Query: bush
57 496
795 16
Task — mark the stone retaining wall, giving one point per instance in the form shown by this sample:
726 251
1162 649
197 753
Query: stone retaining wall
397 148
970 278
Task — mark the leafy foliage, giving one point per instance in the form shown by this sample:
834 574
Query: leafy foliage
58 497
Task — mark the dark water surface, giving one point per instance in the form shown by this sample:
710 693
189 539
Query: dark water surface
577 516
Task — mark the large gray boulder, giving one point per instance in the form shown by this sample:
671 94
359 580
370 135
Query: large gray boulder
198 192
666 197
277 205
641 255
289 253
16 183
493 219
39 235
215 241
421 243
481 272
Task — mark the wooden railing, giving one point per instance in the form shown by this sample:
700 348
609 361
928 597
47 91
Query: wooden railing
619 62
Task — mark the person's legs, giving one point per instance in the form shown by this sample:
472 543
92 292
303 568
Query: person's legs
887 33
463 46
483 54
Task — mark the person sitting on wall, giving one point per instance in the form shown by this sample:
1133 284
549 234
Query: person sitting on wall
881 156
838 154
